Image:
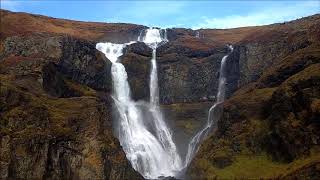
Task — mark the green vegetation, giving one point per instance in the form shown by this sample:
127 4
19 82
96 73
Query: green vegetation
188 125
38 111
82 89
254 167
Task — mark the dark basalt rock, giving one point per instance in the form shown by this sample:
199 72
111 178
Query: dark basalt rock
81 62
232 72
268 49
198 48
52 128
38 45
139 48
58 138
185 79
54 82
293 120
138 71
123 36
76 58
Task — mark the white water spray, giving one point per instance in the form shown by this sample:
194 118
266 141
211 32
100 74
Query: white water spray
152 155
214 114
197 34
153 39
152 151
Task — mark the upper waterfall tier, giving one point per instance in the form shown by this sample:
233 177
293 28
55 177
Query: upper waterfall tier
153 37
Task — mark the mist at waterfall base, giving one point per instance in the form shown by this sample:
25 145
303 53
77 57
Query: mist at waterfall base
140 127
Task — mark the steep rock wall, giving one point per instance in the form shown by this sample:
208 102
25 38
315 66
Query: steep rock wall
56 111
55 72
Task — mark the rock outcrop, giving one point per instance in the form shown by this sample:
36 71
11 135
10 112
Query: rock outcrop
273 120
56 138
55 105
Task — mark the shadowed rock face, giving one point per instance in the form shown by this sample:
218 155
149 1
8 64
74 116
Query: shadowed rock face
137 61
54 138
253 62
55 109
54 83
81 62
55 106
185 79
188 70
76 58
274 117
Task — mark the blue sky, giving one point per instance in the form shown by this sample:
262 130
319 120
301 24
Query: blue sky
178 13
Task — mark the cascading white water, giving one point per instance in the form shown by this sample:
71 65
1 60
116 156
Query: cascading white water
152 155
197 34
152 151
203 133
153 38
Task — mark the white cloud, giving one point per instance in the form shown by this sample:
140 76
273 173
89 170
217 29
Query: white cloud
10 5
268 16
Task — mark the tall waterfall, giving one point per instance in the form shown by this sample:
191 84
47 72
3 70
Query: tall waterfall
154 38
214 113
151 152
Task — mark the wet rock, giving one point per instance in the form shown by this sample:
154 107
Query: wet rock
138 70
139 48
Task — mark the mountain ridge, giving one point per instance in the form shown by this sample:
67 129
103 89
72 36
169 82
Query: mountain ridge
50 67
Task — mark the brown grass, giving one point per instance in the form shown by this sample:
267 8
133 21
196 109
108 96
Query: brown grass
11 25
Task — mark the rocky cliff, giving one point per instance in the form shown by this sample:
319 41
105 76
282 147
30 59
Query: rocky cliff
270 124
56 109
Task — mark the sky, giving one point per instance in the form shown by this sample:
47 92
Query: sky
175 13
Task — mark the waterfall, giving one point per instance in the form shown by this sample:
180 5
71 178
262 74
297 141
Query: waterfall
154 38
151 149
151 152
197 34
214 113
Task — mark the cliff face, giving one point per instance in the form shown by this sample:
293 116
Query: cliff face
57 138
56 106
270 125
188 68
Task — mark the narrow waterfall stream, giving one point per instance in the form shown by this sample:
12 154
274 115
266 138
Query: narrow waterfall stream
151 149
214 113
